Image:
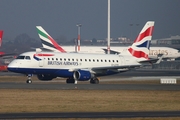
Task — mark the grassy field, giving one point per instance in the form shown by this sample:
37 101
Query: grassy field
13 100
27 100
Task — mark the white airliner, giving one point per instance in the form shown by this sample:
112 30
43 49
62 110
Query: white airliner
82 66
49 43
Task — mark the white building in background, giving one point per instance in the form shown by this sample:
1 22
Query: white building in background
173 40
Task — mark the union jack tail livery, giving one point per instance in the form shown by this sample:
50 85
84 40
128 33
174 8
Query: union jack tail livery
140 47
1 35
47 41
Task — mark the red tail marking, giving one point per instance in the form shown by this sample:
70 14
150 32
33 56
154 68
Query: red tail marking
146 33
1 35
56 45
138 54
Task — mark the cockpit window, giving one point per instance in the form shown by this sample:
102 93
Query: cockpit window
27 58
20 57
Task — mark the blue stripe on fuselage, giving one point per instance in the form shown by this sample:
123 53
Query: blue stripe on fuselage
55 72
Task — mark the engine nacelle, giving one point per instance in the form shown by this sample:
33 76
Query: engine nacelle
45 77
82 75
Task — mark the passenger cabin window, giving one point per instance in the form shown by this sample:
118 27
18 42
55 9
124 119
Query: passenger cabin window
20 57
27 58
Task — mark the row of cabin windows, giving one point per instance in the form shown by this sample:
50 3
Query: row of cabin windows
28 58
84 60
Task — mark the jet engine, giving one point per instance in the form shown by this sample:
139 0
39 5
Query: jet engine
82 75
45 77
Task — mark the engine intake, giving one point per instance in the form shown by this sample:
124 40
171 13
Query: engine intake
82 75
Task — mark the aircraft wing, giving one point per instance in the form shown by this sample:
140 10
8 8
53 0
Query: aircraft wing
43 49
111 51
112 68
115 68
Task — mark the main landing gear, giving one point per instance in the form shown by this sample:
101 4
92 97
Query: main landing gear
29 81
71 80
93 80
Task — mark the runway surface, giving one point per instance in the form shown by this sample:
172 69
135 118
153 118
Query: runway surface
57 86
91 115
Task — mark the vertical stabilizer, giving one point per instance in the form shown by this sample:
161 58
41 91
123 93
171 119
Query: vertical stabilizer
141 45
47 41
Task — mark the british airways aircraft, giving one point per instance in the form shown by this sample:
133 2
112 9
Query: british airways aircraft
50 44
83 67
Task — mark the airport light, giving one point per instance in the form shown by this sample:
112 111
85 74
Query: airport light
79 32
108 31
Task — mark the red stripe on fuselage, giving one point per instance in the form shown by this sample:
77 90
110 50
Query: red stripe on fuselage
146 33
43 54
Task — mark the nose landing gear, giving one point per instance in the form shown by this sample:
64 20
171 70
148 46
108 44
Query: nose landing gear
29 81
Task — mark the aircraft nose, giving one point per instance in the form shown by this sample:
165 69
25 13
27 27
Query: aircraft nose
12 67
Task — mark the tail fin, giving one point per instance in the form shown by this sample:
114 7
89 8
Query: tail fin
141 45
1 35
47 41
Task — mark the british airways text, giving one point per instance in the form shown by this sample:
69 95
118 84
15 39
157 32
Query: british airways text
62 63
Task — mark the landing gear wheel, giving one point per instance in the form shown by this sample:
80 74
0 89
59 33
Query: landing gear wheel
29 81
70 80
94 81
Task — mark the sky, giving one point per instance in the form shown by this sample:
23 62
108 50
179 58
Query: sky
60 17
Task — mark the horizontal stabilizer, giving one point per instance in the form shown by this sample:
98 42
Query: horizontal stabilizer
111 51
153 61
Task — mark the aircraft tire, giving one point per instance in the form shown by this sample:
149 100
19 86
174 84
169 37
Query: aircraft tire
29 81
94 81
69 80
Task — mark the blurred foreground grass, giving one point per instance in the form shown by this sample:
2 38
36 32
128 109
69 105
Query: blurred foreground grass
25 100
